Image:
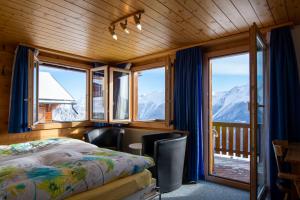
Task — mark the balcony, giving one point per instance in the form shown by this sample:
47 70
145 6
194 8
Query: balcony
231 143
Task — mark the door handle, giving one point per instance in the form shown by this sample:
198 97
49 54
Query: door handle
260 105
215 133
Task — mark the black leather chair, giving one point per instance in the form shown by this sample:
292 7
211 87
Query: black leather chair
168 151
109 137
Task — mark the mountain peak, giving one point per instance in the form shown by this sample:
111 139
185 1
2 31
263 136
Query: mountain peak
231 105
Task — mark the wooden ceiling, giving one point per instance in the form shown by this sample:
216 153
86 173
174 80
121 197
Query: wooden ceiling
80 27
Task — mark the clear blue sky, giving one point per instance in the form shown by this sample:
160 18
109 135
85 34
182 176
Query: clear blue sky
230 71
152 80
72 80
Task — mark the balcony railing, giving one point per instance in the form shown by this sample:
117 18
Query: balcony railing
232 139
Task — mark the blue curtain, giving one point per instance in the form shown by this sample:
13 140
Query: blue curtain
123 65
18 114
284 95
188 107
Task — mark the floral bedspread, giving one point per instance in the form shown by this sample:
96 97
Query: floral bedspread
61 167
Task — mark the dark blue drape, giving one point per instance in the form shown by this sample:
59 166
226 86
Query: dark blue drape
284 95
18 114
188 107
122 65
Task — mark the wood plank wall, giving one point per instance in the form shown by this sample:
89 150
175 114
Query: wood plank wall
6 62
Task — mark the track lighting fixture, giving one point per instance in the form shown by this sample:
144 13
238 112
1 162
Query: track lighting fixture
124 27
137 20
112 32
123 23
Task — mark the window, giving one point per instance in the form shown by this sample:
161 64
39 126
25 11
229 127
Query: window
62 94
120 92
99 94
150 95
230 88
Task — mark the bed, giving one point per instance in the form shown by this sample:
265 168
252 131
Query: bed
65 168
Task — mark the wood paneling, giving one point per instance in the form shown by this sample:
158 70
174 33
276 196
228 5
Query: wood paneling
81 27
6 60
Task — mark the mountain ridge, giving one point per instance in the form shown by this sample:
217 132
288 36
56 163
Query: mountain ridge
231 105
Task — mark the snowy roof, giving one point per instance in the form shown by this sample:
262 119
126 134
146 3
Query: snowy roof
50 91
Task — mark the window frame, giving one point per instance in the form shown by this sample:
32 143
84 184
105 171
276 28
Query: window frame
169 72
111 86
106 102
32 61
59 63
88 69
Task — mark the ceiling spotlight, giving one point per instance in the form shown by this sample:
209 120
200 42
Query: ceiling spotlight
112 32
137 20
124 27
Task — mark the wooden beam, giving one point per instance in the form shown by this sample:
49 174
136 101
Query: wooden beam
206 43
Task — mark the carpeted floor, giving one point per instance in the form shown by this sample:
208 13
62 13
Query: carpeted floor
206 191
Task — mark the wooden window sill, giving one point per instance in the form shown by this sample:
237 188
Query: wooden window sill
151 124
61 125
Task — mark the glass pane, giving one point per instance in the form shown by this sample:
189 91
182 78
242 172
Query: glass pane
151 94
35 92
261 157
230 131
62 94
120 95
98 103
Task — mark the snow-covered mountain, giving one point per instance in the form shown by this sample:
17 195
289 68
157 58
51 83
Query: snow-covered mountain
151 106
232 105
228 106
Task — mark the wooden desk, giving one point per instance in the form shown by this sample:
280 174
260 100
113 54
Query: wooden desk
293 157
297 185
293 154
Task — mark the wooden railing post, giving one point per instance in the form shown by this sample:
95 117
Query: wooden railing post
217 139
224 142
230 141
238 142
245 142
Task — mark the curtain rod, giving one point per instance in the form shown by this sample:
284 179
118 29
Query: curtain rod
209 42
61 53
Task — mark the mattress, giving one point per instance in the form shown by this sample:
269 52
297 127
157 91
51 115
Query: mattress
61 167
118 189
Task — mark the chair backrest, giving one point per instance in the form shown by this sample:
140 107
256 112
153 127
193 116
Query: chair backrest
168 151
280 149
109 137
169 156
149 140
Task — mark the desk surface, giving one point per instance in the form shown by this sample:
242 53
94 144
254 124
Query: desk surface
297 185
293 154
293 157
